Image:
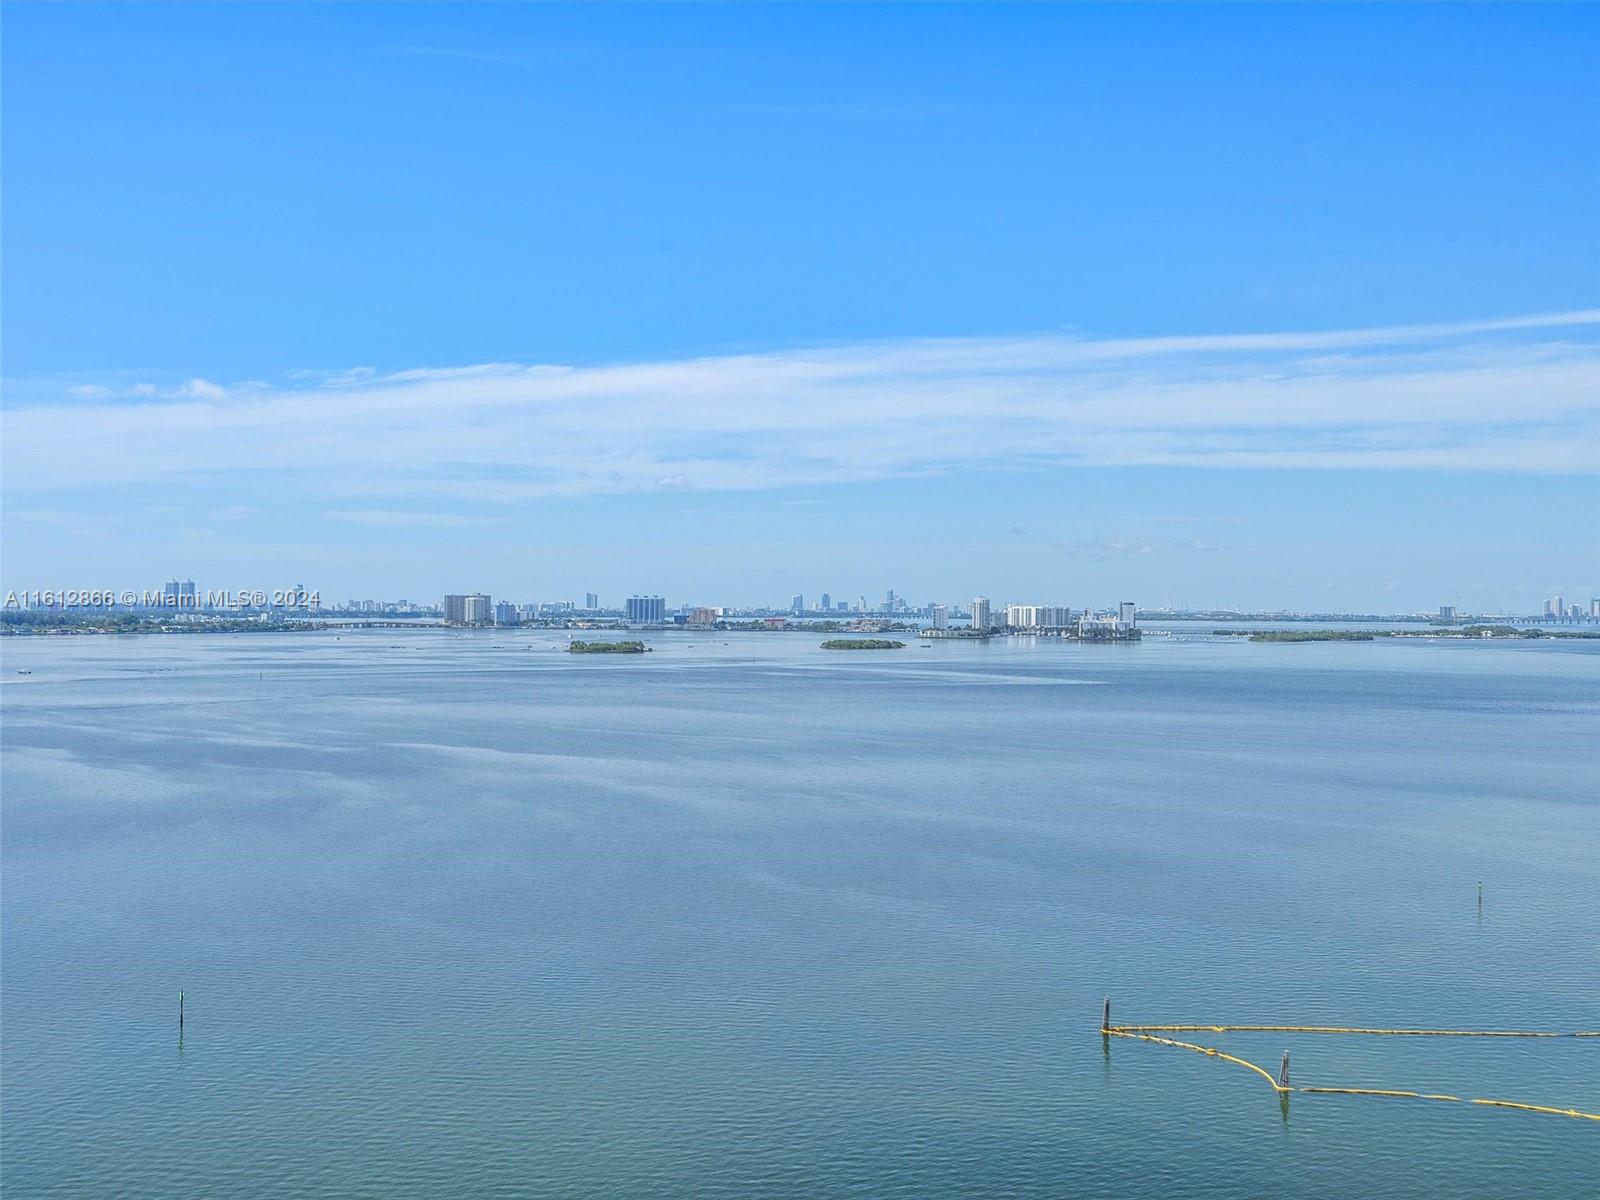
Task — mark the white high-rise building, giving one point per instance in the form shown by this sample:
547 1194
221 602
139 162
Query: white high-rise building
941 616
646 610
1022 616
1127 613
980 612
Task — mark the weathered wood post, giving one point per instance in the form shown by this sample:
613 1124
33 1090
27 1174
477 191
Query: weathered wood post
1105 1017
1283 1073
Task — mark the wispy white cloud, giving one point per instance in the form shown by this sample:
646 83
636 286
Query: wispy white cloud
1521 394
1105 549
202 389
401 520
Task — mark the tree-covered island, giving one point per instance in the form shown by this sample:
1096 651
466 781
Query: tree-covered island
862 644
1311 635
606 648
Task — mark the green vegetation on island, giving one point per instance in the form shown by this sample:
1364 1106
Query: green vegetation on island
862 644
1311 635
606 648
49 623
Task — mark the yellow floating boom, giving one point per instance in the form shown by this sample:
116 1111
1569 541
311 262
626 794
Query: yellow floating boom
1501 1033
1151 1033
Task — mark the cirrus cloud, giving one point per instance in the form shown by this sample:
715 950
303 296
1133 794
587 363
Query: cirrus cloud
1521 394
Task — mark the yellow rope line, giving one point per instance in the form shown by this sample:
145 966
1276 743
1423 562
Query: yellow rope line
1134 1032
1207 1050
1507 1033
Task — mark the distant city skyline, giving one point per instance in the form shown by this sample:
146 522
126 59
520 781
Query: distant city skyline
482 608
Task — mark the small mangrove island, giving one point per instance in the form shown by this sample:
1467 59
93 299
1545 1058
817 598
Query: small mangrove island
862 644
1311 635
606 648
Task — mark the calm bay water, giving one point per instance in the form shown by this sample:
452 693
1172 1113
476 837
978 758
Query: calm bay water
458 914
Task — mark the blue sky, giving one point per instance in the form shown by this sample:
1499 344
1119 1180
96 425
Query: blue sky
1269 307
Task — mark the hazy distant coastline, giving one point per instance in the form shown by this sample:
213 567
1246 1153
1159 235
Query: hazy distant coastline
55 624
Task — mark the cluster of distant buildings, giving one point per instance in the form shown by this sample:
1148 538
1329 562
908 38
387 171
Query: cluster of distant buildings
182 599
1052 620
481 609
980 618
826 606
1556 609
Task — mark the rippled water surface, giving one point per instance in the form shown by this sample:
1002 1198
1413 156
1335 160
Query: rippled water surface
458 914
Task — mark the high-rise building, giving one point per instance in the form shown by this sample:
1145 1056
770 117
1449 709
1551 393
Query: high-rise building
1576 612
646 610
797 604
179 595
1022 616
980 612
941 616
891 602
1127 614
842 606
505 613
471 608
826 603
1594 609
1447 612
591 601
